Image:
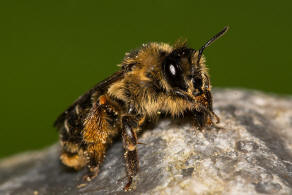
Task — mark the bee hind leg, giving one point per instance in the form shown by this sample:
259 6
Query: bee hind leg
95 156
97 134
93 169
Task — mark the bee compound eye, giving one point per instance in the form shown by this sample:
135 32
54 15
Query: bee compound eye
174 74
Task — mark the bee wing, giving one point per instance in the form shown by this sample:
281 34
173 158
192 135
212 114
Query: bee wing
73 117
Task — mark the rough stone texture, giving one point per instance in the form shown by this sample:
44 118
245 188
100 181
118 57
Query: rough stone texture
251 154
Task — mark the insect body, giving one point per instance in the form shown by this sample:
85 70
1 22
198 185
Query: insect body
157 78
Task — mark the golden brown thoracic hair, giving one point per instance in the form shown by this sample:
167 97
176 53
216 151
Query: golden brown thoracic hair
157 78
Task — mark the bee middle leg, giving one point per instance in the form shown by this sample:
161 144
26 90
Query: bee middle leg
129 136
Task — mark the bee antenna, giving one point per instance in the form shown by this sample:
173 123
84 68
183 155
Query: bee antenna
214 38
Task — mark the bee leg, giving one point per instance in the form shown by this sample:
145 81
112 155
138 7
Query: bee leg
93 169
200 119
130 142
98 132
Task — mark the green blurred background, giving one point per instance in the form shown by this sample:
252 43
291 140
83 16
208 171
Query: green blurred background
53 51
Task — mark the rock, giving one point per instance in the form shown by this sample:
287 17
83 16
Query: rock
250 154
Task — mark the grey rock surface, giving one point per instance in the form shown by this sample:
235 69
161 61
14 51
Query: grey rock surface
250 154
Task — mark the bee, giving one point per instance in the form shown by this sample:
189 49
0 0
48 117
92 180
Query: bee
156 78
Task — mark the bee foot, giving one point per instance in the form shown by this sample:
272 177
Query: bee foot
91 175
128 185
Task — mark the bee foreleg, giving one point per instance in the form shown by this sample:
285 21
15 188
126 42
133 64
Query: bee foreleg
200 119
129 136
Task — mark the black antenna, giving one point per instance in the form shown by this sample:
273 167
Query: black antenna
217 36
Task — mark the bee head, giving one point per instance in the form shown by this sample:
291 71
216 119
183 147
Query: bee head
184 69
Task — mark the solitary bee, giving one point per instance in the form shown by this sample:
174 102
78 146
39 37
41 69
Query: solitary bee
157 78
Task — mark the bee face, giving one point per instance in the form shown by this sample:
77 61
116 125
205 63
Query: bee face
184 73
